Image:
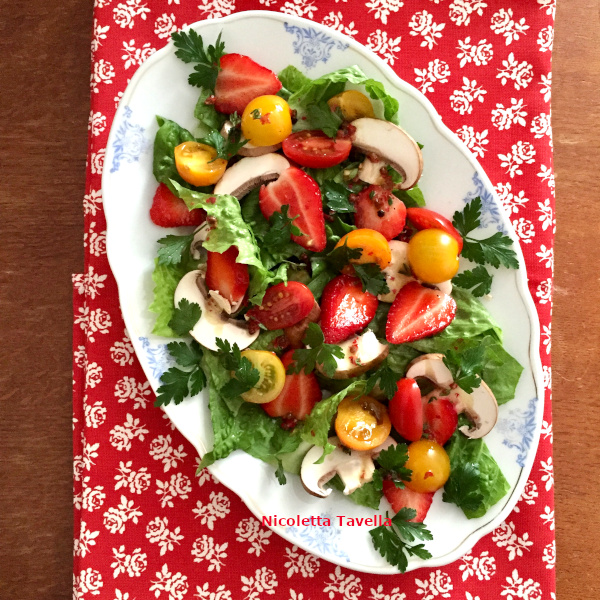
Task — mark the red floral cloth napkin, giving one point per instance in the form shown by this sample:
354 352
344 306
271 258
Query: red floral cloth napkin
145 525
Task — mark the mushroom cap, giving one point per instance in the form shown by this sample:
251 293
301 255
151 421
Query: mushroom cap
249 172
433 368
213 322
392 144
395 272
483 411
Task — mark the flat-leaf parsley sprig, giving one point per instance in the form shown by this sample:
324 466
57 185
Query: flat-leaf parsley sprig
245 375
190 49
318 352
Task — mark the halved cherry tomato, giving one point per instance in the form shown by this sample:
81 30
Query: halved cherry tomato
433 255
272 376
423 218
224 275
362 423
377 208
429 464
198 163
298 396
266 121
314 149
353 104
406 410
283 305
375 248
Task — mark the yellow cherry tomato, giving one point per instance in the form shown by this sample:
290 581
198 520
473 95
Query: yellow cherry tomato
433 255
353 104
362 423
375 248
198 163
429 464
266 121
272 376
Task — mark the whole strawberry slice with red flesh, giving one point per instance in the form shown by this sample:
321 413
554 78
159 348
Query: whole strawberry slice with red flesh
297 398
406 410
441 420
345 308
418 312
170 211
224 275
377 208
303 196
401 498
240 80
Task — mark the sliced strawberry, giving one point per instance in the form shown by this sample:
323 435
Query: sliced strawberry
299 395
302 194
401 498
423 218
441 420
377 208
406 410
345 308
241 80
418 312
170 211
224 275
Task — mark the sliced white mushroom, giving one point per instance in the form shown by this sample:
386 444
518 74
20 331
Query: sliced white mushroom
353 466
392 144
249 172
445 286
213 323
397 273
370 171
480 405
249 149
361 353
200 236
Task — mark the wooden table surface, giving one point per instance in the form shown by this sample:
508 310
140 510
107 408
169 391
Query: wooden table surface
44 104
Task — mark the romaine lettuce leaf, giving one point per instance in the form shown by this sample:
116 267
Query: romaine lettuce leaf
166 278
366 495
168 136
292 79
266 339
207 113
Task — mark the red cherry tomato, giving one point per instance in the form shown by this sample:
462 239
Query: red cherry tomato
406 410
423 218
377 208
226 276
283 305
315 149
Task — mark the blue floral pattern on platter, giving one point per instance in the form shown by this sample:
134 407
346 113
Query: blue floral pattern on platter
157 357
130 142
490 211
322 539
312 45
518 429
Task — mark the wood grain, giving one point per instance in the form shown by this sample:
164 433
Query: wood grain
44 53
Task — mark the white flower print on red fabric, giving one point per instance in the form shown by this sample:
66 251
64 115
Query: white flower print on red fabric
179 486
204 475
547 469
462 10
422 24
544 291
437 71
92 498
158 532
300 8
520 153
548 517
483 566
521 589
205 548
93 375
128 389
94 241
546 39
529 495
119 595
520 73
122 352
511 202
95 414
103 72
438 584
89 581
125 13
474 140
547 426
395 594
541 126
504 24
116 516
133 564
549 5
92 202
136 56
250 530
549 556
524 230
91 283
87 538
174 584
217 508
480 53
504 117
462 100
96 163
80 356
546 215
165 26
220 593
336 21
386 47
162 450
96 123
301 562
122 435
268 2
98 321
505 537
346 584
383 8
546 83
135 481
546 174
547 337
263 582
